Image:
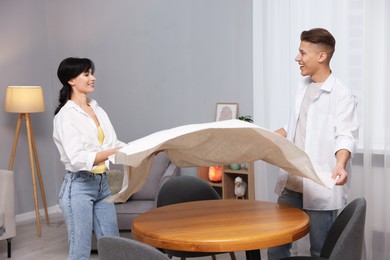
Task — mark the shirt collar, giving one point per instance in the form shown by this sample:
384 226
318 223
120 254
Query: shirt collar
71 104
328 83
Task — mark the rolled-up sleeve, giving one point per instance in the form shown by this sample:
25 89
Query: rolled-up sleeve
346 123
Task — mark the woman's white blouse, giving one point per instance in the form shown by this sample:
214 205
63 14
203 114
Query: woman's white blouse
76 137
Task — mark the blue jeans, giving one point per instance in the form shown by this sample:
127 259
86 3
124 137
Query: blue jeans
82 202
320 223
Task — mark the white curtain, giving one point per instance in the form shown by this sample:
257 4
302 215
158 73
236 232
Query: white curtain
361 61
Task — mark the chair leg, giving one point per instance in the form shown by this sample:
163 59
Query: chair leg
232 256
182 258
9 247
213 257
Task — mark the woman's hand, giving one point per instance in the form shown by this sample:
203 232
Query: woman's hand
103 155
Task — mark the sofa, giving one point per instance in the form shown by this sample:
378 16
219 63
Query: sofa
162 169
7 208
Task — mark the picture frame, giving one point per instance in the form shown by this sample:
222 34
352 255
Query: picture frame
226 111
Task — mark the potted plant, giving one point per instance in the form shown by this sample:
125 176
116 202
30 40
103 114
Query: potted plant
246 119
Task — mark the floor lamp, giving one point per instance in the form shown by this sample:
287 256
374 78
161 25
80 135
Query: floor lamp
25 100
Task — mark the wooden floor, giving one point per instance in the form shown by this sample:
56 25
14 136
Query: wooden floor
53 243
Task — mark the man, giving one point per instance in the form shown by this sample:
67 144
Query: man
324 124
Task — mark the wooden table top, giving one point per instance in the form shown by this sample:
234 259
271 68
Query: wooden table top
220 225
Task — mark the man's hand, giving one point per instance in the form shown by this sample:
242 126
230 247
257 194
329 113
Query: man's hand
340 175
339 172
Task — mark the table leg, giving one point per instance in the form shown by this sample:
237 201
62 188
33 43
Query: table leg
253 254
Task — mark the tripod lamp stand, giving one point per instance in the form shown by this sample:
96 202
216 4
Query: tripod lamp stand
25 100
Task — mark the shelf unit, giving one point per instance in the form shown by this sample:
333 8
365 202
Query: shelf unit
226 187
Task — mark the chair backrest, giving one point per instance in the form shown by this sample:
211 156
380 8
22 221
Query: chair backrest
120 248
185 188
345 238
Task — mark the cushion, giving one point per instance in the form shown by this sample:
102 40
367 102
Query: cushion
158 168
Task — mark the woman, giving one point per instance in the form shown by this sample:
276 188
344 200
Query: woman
85 139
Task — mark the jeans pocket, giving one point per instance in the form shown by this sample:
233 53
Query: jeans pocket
63 187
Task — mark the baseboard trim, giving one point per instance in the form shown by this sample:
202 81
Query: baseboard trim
31 215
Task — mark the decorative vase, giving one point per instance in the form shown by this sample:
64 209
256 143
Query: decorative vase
244 166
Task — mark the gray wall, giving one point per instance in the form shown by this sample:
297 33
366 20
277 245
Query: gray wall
159 64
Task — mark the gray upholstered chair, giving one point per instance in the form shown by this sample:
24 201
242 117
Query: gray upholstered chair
120 248
162 169
345 237
184 189
7 208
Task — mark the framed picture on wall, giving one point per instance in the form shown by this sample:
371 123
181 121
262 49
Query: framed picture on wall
226 111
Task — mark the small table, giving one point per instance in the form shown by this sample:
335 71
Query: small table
221 226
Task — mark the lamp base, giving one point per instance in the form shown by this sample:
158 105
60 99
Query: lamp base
33 158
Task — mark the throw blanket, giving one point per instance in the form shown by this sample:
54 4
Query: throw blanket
209 144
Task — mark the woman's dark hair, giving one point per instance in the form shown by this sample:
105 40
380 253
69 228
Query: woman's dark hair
68 69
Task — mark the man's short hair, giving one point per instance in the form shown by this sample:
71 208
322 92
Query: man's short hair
322 37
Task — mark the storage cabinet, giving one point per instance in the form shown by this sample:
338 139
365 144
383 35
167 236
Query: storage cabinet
226 187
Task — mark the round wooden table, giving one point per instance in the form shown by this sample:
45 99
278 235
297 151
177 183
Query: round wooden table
220 226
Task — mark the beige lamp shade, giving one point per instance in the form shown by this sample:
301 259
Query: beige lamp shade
24 99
